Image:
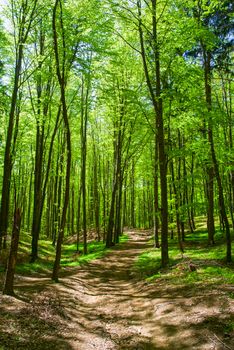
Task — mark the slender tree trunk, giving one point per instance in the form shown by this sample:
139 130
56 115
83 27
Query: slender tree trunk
156 98
96 193
116 182
26 19
83 180
7 169
73 210
171 216
84 120
186 196
78 219
227 97
156 195
62 84
10 272
118 210
133 224
178 221
210 196
208 93
29 200
192 193
42 110
109 237
37 193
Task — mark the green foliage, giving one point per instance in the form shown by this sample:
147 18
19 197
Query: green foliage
101 45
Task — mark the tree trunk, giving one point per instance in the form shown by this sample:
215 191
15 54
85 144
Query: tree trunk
7 169
62 84
96 193
109 236
26 19
132 203
42 110
37 193
208 94
192 193
10 272
156 206
178 221
210 212
156 98
84 120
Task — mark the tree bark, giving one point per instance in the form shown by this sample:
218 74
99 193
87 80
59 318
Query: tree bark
156 206
11 264
208 94
62 84
27 15
7 169
156 98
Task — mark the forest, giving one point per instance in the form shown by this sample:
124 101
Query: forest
116 149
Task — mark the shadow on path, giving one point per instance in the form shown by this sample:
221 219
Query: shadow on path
102 305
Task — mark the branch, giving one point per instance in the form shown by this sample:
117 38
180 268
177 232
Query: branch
128 43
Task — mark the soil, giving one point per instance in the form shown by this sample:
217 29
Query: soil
105 305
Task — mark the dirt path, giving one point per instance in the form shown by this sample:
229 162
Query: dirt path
103 306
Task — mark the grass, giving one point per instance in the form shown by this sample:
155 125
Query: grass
209 262
229 327
71 258
46 251
96 250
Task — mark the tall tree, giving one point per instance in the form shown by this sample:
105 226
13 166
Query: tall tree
60 59
85 91
23 15
214 13
155 90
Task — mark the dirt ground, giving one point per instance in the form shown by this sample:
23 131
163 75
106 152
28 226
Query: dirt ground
103 305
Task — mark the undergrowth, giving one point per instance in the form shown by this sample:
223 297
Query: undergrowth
46 252
200 263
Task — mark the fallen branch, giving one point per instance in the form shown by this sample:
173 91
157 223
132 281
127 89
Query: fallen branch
225 345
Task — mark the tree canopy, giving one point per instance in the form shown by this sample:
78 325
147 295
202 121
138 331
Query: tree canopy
116 114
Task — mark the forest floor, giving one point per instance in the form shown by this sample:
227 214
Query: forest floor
105 305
